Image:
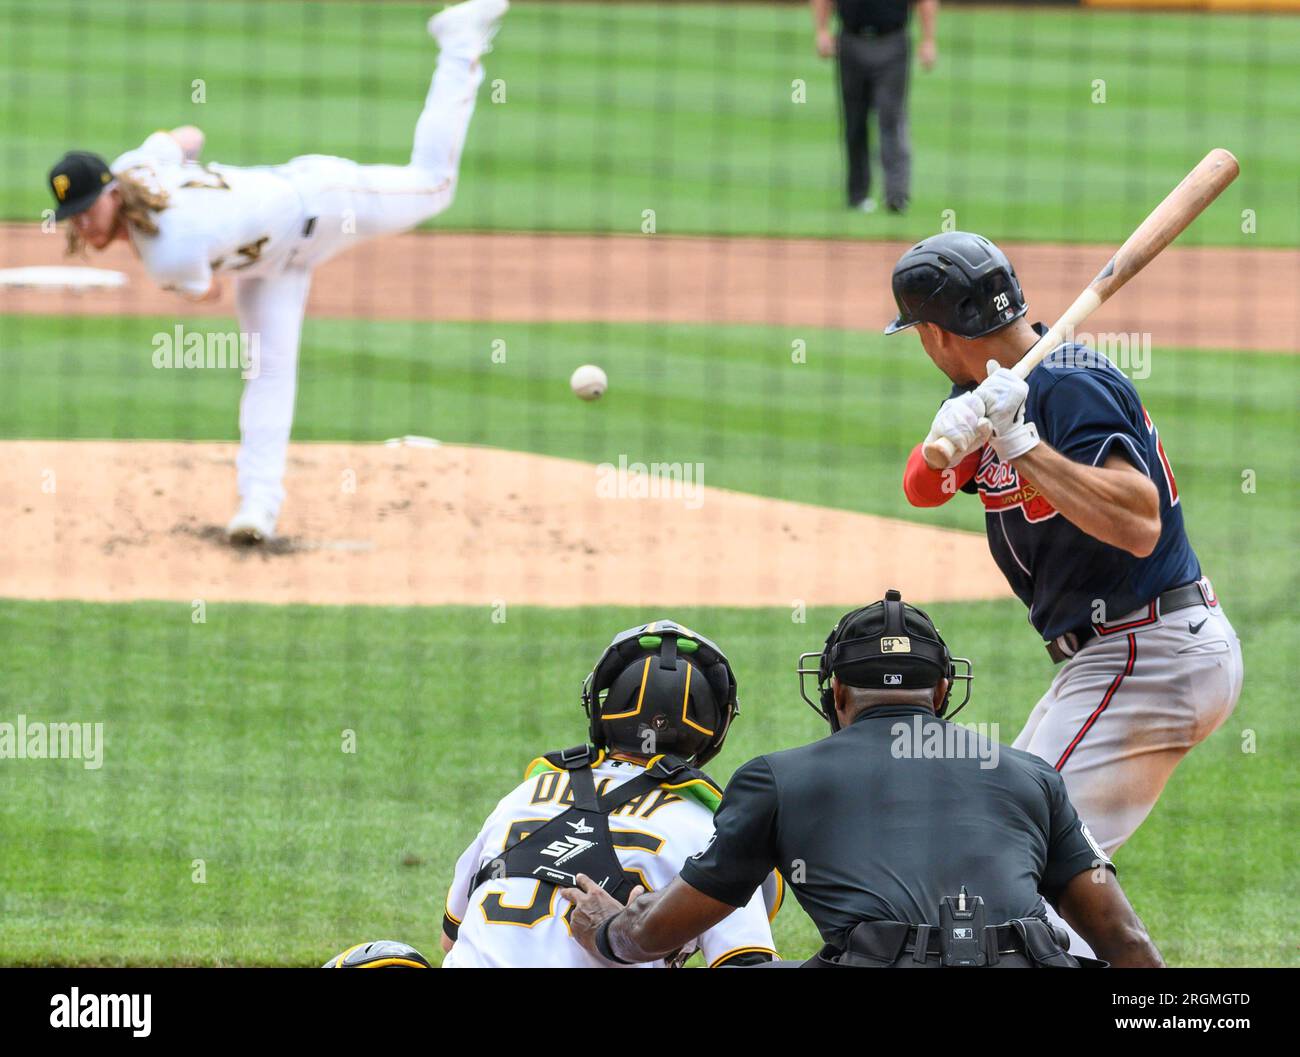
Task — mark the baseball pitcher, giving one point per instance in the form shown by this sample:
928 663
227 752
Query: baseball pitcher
269 227
626 811
1085 520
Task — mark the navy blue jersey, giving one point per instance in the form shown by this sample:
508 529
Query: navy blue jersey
1086 409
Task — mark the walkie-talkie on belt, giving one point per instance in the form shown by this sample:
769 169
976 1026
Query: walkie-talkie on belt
961 930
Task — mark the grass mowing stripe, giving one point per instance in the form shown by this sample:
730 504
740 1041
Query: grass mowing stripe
688 109
230 825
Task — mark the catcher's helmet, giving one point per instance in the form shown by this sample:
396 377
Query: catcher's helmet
661 688
379 954
884 646
959 281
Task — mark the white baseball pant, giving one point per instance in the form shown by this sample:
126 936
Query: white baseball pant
350 203
1124 711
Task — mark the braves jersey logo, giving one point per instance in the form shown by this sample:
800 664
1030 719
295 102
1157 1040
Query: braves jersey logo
1001 489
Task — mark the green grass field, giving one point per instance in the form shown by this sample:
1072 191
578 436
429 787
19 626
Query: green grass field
611 109
223 743
224 740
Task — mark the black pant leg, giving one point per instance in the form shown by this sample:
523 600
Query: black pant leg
855 96
890 75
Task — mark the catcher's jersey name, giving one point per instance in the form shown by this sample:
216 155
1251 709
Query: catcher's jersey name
554 787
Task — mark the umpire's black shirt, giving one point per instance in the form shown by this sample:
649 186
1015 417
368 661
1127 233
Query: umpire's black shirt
862 832
877 16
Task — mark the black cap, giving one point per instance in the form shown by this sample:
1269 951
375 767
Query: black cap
884 646
869 653
77 180
958 280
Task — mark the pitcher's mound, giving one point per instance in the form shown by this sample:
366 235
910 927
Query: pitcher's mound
366 523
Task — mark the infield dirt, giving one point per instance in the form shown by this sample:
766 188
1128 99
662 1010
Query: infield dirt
372 524
1188 297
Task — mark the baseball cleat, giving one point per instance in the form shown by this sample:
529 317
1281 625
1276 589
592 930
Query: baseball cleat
472 24
252 524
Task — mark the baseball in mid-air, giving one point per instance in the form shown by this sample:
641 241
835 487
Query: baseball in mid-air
588 382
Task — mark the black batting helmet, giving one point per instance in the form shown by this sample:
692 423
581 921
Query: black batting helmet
887 645
661 688
958 281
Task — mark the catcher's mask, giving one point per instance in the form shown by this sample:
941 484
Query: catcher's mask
887 645
379 954
661 688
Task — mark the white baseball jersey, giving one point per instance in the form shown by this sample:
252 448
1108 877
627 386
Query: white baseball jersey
218 218
517 922
270 226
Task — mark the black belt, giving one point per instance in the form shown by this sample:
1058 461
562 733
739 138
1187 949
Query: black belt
1196 593
883 944
924 939
871 32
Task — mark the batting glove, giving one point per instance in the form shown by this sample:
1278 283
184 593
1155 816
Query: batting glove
962 423
1003 394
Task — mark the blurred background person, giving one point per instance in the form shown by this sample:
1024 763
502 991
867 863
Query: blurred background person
874 53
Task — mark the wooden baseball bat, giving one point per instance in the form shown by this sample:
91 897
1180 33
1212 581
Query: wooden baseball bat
1163 224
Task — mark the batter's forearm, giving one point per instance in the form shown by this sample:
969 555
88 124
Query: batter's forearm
1113 503
926 487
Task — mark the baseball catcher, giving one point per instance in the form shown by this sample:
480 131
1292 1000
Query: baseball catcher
626 810
269 227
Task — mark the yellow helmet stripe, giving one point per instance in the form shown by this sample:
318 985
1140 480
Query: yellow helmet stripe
640 697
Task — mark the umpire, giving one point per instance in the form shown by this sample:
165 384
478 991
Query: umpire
910 841
874 55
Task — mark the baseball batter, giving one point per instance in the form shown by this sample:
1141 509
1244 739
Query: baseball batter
1085 520
626 810
269 227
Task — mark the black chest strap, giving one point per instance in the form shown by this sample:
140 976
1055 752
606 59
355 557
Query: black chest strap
578 840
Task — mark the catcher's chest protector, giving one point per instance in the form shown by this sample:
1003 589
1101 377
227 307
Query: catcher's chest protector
578 840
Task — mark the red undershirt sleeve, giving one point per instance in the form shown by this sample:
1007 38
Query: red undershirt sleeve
926 487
